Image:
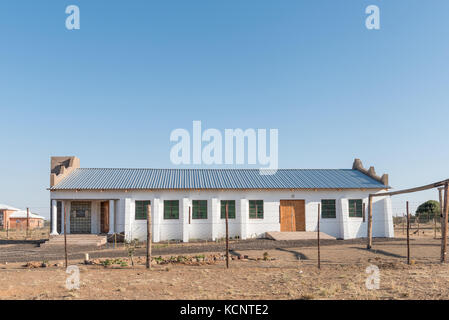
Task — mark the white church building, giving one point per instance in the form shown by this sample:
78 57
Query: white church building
189 204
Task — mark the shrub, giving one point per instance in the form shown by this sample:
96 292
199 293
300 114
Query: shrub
429 209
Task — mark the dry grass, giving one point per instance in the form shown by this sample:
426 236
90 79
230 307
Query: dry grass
33 234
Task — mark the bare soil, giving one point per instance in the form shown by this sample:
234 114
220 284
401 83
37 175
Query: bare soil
289 272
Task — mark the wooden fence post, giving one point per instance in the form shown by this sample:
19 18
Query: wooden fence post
65 238
370 223
408 235
148 263
227 236
440 192
444 226
318 237
28 222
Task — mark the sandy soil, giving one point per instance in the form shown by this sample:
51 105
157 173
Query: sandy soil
293 274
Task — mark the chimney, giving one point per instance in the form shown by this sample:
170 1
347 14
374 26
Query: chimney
371 172
60 167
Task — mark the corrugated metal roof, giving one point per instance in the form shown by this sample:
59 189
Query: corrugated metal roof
6 207
23 214
120 179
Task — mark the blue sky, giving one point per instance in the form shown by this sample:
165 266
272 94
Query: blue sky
111 92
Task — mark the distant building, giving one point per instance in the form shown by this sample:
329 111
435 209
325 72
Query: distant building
190 204
5 212
14 218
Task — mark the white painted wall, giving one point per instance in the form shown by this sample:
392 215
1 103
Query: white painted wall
213 227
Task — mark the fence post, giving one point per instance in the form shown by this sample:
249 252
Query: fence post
444 226
28 222
148 263
440 192
227 237
65 238
408 235
318 237
370 223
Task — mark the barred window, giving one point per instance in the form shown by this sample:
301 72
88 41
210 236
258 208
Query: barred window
231 209
171 209
355 208
256 209
199 209
328 208
141 210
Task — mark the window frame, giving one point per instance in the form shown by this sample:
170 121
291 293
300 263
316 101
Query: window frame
223 209
257 213
171 206
323 209
354 214
195 215
146 202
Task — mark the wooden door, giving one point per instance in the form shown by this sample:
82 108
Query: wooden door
104 217
293 215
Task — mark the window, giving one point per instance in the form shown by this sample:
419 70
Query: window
355 208
80 217
171 209
256 209
141 209
328 209
231 209
199 209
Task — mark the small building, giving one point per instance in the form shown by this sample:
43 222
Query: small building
5 212
20 220
189 204
14 218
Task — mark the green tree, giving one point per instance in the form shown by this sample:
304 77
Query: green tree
429 209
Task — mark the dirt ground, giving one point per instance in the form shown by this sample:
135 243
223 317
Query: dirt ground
287 273
32 234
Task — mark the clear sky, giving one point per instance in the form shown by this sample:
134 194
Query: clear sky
111 92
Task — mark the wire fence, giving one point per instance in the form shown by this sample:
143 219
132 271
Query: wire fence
207 237
21 233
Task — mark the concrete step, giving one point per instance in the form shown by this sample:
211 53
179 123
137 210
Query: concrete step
296 235
76 240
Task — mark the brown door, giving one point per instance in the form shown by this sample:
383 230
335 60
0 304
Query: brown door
104 218
293 215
